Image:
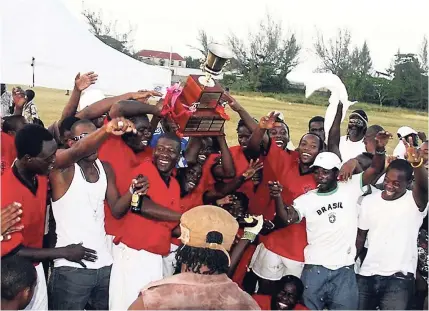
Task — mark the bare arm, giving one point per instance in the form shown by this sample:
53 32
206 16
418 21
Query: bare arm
39 254
287 215
101 107
259 134
137 304
129 108
360 241
192 150
379 159
420 188
90 143
236 255
154 211
335 132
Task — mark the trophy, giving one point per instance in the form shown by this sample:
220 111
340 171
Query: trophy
196 109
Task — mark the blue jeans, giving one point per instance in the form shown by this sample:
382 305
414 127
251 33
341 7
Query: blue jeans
386 292
331 289
73 288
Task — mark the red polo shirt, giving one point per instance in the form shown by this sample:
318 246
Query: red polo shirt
264 301
138 232
33 210
123 160
8 151
283 165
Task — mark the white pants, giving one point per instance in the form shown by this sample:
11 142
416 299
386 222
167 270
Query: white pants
273 267
131 271
169 262
40 296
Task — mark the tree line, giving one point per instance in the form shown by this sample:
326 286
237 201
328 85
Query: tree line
262 61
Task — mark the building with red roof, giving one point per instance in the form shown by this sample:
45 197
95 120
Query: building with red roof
163 58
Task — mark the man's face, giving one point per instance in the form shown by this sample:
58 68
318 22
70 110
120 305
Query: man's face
395 184
139 141
166 154
318 128
81 131
43 163
169 125
236 208
356 125
243 136
280 134
308 148
192 177
414 138
206 149
287 298
325 179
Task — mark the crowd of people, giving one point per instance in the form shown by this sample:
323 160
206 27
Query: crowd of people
108 208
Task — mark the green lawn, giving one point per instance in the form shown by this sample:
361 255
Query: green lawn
51 102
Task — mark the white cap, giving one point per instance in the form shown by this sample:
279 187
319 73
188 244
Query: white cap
90 96
406 130
280 116
327 160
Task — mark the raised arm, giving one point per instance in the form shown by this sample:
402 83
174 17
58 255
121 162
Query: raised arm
335 132
90 143
227 161
81 82
420 187
244 115
378 160
129 108
258 134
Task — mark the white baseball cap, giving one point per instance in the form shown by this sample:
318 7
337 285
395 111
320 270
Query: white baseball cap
327 160
90 96
405 130
280 116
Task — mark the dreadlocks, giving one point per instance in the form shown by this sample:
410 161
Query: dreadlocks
194 258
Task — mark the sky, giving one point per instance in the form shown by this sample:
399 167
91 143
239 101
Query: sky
386 25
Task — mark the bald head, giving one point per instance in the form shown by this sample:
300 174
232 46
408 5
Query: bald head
373 130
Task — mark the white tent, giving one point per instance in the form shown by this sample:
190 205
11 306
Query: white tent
61 46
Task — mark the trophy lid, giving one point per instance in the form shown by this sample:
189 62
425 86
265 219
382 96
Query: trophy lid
220 50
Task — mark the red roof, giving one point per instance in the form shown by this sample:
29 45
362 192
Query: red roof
159 54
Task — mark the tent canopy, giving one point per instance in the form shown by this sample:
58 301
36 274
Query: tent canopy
62 46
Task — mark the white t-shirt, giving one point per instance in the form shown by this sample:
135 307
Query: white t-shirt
331 220
400 150
350 149
393 228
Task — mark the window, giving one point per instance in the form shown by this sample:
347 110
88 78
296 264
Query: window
172 63
180 63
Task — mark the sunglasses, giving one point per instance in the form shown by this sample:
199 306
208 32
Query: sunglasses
79 137
357 122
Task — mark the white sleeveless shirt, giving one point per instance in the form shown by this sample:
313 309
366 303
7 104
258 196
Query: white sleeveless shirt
79 217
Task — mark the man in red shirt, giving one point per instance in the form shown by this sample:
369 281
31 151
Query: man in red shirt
282 251
145 235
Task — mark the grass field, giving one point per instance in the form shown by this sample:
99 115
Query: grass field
51 102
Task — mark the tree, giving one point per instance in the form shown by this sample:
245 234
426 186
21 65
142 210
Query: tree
267 57
365 61
380 89
107 33
203 41
335 56
192 62
424 55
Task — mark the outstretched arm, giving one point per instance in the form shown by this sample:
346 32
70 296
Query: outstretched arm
286 214
129 108
258 134
335 132
227 161
90 143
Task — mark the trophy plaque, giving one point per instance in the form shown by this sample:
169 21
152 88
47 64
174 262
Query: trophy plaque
197 109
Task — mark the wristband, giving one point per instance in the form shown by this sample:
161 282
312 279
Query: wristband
418 165
383 152
249 236
242 178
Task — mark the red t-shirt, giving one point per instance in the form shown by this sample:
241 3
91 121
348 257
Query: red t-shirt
123 160
138 232
8 151
283 166
33 210
264 301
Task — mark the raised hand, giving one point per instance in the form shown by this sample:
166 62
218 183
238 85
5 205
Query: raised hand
82 82
254 166
140 185
9 219
275 189
229 199
413 154
18 96
267 122
347 170
235 106
78 253
382 138
120 126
